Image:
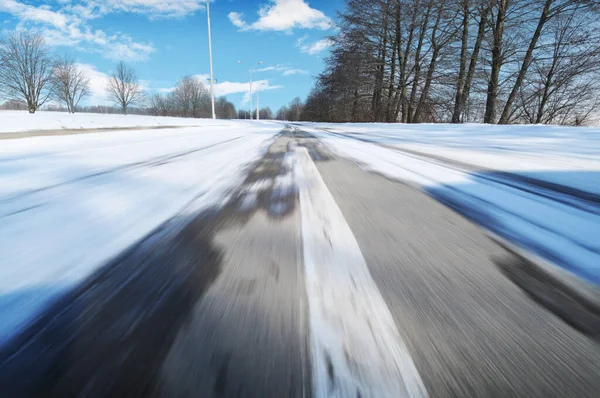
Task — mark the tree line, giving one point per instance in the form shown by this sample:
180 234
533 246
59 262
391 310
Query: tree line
31 76
490 61
190 98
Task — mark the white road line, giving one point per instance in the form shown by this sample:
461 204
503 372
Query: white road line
355 346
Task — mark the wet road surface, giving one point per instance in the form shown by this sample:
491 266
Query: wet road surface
220 307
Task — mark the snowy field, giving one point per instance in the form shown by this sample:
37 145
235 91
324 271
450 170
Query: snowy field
21 121
537 186
70 203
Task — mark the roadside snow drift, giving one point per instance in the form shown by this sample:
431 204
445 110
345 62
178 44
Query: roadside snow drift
536 186
22 121
70 203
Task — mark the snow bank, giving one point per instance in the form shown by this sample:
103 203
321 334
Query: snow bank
532 151
553 223
70 203
20 121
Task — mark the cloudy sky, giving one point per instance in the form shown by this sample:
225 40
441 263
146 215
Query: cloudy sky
167 39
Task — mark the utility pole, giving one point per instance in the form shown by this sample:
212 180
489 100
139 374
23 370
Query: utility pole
212 81
251 107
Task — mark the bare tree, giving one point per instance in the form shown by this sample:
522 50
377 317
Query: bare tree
25 69
124 88
70 84
497 60
161 105
190 98
266 113
550 9
441 35
419 61
466 90
563 87
466 16
226 110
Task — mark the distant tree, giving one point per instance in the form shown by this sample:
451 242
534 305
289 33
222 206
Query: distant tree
161 105
69 83
26 69
266 113
295 109
282 113
124 88
55 108
191 99
224 109
14 105
243 114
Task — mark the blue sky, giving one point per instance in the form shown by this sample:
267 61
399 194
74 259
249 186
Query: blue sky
167 39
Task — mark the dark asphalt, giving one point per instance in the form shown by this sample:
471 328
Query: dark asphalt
218 308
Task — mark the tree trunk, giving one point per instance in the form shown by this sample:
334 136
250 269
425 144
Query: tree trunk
463 62
431 70
403 61
390 98
474 57
377 92
504 118
413 91
497 60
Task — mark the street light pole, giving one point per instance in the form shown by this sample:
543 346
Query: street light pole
251 98
212 81
250 94
257 107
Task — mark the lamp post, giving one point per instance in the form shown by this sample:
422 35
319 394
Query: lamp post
250 70
212 81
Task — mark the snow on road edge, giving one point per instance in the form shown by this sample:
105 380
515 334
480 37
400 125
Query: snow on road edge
22 121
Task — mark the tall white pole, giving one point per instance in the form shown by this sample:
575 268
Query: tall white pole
257 107
212 80
250 94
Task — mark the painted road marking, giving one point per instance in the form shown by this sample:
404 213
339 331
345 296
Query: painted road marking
355 346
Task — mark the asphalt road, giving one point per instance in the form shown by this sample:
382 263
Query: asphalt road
221 308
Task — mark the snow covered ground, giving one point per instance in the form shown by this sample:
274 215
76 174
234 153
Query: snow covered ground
70 203
536 151
20 121
537 186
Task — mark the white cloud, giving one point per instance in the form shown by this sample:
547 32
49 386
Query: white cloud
291 72
259 85
226 88
270 68
317 47
31 13
284 15
285 69
128 50
114 47
98 82
66 23
236 19
301 40
151 8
